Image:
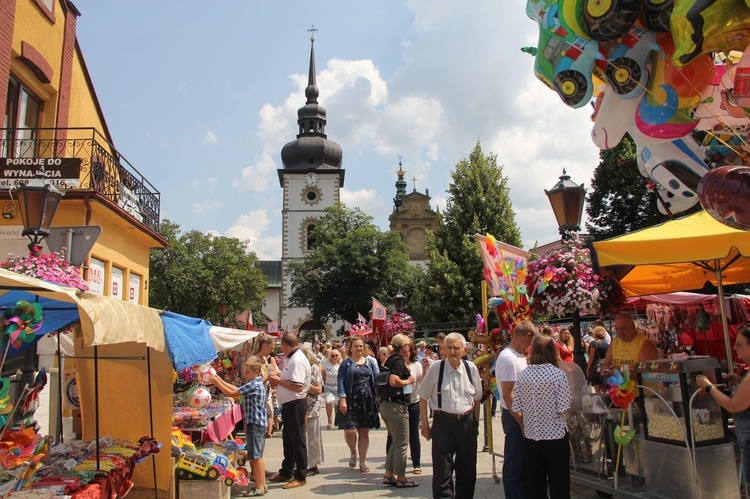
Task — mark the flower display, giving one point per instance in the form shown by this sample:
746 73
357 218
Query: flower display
51 267
565 282
398 323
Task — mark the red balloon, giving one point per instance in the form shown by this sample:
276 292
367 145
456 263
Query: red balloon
725 194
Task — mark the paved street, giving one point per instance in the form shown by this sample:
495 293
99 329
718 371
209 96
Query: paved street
338 480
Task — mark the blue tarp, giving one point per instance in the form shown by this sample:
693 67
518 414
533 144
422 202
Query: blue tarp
188 341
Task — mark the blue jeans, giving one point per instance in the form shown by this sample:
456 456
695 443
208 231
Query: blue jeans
513 457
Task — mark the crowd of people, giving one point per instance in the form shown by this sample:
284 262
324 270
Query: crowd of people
416 392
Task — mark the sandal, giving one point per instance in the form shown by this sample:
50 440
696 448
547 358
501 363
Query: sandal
417 470
363 468
389 481
404 484
353 461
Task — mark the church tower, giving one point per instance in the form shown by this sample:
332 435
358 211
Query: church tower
412 217
311 178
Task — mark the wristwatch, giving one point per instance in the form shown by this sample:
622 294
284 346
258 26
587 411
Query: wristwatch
708 388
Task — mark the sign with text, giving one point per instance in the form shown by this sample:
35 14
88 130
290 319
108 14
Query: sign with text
135 288
130 203
63 173
96 276
116 283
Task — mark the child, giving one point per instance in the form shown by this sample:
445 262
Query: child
256 420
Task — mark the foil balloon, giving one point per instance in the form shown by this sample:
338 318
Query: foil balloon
725 194
608 20
703 27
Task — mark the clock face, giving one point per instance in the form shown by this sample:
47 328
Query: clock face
311 179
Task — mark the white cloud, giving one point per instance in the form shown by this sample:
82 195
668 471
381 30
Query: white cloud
259 177
368 200
251 227
210 137
207 206
203 183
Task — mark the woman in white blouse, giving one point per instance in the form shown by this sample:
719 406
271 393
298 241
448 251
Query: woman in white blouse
542 396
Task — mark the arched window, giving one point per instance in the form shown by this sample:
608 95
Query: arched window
310 238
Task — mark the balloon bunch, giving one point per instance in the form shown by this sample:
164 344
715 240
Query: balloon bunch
506 279
658 71
21 323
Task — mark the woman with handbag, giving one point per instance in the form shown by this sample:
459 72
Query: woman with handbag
357 401
395 412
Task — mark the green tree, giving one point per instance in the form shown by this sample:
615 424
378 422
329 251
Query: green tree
351 262
198 271
478 203
619 200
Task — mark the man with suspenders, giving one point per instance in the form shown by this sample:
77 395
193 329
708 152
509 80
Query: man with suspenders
453 389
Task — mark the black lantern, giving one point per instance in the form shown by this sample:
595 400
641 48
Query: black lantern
398 301
38 201
566 198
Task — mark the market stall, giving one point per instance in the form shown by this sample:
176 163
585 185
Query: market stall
675 427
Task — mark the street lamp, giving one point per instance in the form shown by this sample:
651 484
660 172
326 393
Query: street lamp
221 309
38 201
566 198
398 301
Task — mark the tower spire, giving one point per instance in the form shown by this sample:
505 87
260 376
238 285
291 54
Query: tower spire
311 92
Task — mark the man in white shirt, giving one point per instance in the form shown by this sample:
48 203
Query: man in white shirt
291 392
510 363
455 425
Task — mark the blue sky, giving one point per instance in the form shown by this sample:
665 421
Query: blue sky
201 96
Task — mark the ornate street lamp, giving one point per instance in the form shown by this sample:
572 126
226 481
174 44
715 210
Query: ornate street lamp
38 201
566 198
398 301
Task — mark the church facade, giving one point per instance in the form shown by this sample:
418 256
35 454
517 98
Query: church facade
411 218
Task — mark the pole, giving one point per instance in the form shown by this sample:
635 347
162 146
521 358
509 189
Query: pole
578 353
724 324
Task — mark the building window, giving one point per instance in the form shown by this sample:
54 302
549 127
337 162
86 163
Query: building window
310 238
22 113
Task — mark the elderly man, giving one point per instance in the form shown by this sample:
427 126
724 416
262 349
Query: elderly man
510 363
453 389
291 392
628 347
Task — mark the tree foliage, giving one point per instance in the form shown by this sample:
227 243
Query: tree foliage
478 202
198 271
351 262
619 200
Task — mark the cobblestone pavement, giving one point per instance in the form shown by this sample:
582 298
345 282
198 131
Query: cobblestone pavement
336 479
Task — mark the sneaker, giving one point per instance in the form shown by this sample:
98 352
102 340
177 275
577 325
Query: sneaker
294 484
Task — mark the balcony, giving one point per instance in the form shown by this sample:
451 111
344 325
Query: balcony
78 159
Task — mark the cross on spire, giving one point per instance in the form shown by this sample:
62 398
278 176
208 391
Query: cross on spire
312 31
414 179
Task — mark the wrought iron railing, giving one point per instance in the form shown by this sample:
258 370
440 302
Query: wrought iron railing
102 167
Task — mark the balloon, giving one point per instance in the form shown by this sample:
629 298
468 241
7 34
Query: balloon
610 19
725 195
717 110
706 26
480 323
626 70
199 398
564 59
675 166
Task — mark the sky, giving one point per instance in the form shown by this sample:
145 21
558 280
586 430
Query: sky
200 97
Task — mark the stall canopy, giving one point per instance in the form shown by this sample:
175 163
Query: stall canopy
678 255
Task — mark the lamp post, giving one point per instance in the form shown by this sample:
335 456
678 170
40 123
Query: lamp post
38 201
221 309
566 198
398 301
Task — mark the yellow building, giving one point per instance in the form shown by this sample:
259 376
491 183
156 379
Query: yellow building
53 121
